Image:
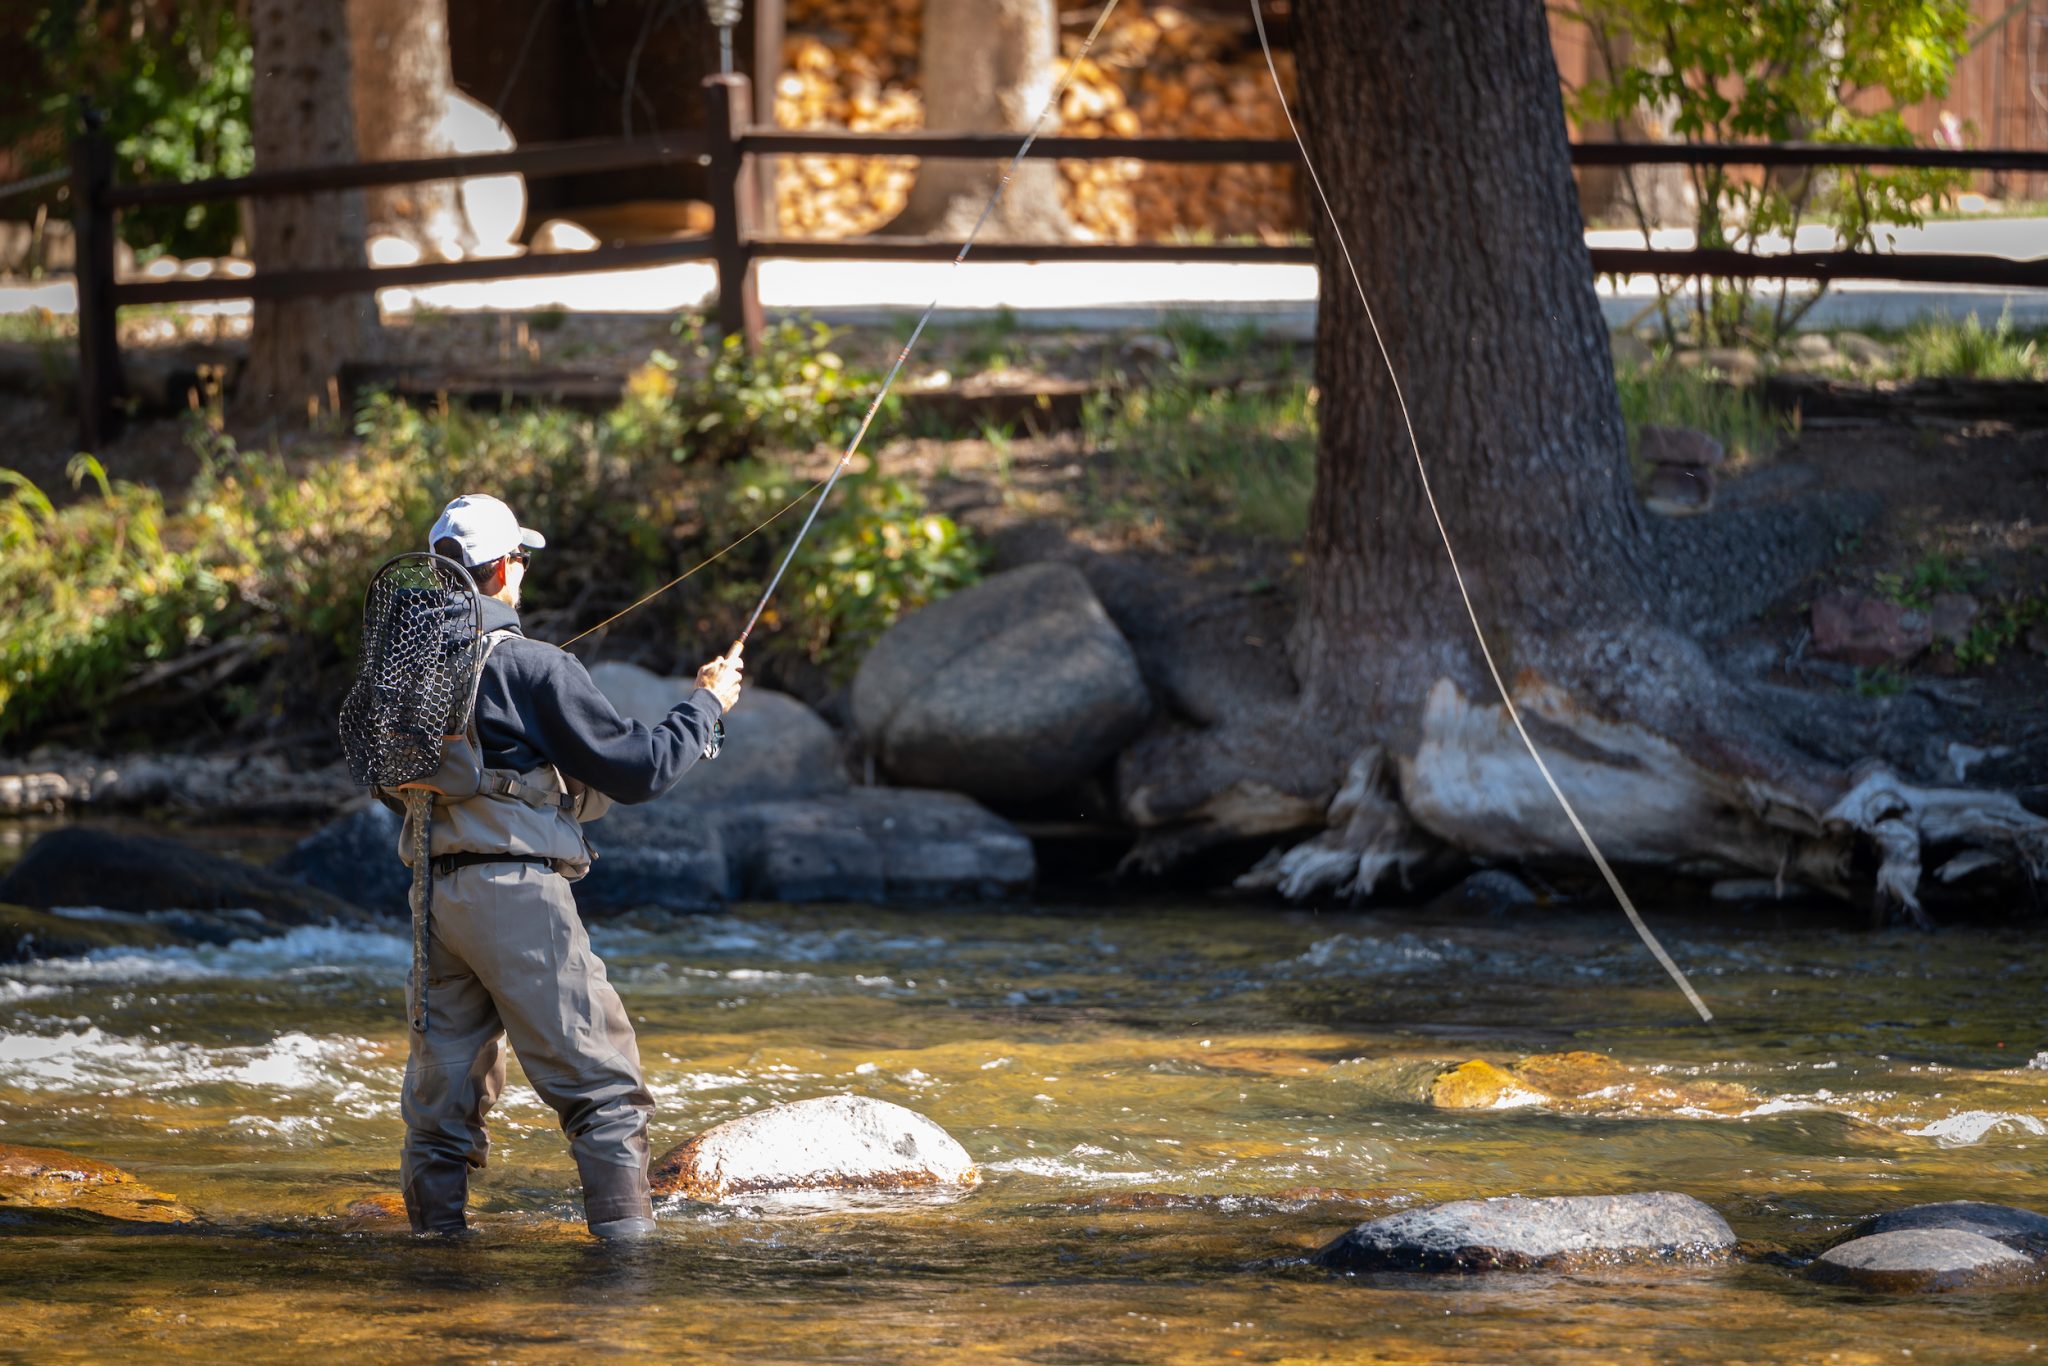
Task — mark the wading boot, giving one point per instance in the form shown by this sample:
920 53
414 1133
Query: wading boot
630 1230
435 1193
616 1200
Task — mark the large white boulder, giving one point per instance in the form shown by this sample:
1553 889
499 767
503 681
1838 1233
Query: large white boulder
831 1143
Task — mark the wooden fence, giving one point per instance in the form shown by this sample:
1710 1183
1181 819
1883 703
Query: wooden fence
732 149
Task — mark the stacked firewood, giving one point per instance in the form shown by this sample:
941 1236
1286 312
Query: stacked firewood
1157 71
827 86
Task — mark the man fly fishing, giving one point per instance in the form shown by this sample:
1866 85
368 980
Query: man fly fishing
506 958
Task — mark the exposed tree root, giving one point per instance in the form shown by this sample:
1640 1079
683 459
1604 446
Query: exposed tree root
1470 785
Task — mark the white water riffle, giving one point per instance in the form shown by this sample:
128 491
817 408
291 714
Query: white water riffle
315 949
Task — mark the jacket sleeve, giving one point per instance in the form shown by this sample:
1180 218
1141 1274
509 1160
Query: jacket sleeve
584 736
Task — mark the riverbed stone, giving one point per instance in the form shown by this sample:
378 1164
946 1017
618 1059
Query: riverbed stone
775 746
829 1143
1583 1082
1920 1259
88 866
868 844
354 857
1010 690
43 1185
2023 1230
1517 1234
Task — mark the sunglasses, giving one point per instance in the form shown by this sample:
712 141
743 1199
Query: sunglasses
521 557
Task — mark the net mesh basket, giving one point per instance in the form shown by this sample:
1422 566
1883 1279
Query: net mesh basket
417 672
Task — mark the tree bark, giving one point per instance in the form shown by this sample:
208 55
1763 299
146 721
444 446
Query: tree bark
402 82
300 116
1485 301
987 66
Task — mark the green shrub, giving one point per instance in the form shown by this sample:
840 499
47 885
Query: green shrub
92 593
876 552
173 83
790 395
1776 71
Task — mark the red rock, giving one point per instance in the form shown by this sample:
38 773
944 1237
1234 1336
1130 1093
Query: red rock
1867 631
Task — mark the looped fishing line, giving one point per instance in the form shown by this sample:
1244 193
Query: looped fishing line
823 488
1429 494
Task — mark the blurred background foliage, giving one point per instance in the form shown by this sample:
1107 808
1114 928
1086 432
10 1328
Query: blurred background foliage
170 77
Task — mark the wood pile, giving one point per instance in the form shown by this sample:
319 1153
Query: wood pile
1158 70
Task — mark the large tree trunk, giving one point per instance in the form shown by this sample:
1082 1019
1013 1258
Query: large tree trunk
1440 135
403 82
1486 304
987 67
300 116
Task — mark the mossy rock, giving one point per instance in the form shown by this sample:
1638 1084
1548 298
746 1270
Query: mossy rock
1583 1082
27 934
42 1185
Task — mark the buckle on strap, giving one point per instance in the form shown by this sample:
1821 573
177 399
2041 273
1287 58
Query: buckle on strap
500 784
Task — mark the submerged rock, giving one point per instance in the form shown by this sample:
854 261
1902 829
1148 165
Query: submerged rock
838 1143
27 934
1515 1234
43 1184
2020 1229
1479 1085
1922 1259
1582 1082
83 866
1012 689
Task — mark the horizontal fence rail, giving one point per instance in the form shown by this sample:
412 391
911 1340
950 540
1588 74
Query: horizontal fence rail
295 284
733 150
540 160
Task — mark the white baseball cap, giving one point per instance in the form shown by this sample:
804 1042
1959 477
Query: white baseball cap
485 529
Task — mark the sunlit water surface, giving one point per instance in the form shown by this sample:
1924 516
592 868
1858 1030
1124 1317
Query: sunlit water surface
1172 1105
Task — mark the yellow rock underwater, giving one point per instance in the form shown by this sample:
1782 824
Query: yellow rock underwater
1584 1083
38 1183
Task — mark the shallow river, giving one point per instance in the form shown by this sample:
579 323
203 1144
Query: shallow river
1172 1105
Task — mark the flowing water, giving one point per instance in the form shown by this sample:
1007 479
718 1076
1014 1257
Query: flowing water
1172 1106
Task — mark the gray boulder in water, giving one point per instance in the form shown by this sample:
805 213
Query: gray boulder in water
2020 1229
775 746
1012 689
869 844
831 1143
772 818
1913 1259
1515 1234
356 859
86 866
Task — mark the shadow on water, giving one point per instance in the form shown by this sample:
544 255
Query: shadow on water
1172 1106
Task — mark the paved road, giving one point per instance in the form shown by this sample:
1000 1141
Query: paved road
1280 298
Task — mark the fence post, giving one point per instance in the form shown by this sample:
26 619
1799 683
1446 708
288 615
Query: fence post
728 100
100 386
